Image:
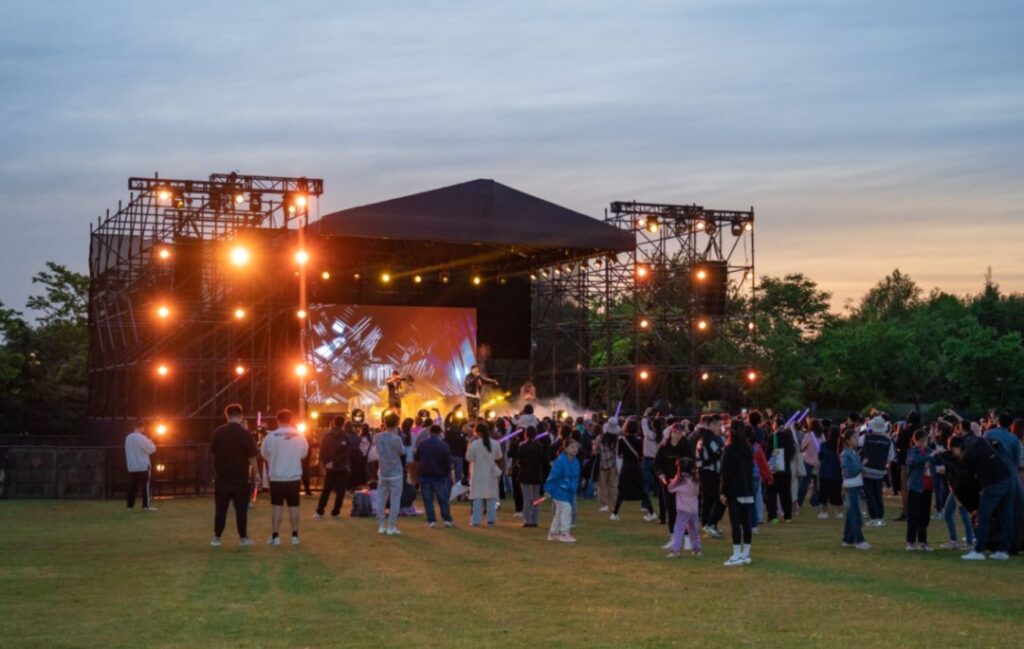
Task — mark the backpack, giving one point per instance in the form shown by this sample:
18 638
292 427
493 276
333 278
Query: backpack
362 506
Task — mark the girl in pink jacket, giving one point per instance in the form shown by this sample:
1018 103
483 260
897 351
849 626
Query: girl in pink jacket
686 487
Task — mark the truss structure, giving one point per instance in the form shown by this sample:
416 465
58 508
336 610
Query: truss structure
668 323
164 292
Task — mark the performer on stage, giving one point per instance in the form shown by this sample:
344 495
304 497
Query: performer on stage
528 392
395 390
474 388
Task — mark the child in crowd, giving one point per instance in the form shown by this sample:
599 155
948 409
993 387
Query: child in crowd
919 492
830 475
853 482
686 487
561 486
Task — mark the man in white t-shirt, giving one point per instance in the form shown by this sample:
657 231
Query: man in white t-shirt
283 450
137 449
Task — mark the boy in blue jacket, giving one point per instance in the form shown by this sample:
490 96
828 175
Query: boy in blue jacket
561 485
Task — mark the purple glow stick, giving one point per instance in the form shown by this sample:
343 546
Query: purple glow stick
789 422
541 436
510 436
618 409
804 415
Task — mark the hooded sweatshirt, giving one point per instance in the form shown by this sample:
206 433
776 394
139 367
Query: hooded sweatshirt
137 449
284 449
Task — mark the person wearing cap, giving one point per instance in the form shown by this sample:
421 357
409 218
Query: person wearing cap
877 452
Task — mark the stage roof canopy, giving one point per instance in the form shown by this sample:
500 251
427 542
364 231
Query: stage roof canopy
479 213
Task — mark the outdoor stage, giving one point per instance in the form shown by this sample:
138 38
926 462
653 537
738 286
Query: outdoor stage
236 289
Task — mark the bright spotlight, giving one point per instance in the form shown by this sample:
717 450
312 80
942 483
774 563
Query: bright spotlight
301 427
301 257
239 255
163 195
239 198
445 278
702 325
417 279
239 370
502 280
701 274
160 468
301 370
644 323
239 313
641 222
533 277
163 311
652 225
161 429
748 226
704 376
325 275
164 253
301 314
752 376
385 277
750 326
314 415
490 415
301 201
357 276
162 370
644 375
476 280
643 271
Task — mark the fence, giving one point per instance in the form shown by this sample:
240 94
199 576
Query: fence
100 471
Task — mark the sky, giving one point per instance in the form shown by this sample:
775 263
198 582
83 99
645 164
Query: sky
867 135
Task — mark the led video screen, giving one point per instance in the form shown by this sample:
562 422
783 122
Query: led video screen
355 349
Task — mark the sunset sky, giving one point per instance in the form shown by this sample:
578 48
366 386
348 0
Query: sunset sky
867 135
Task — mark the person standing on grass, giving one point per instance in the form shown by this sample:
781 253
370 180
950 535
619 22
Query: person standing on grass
530 462
708 452
137 449
233 449
737 491
483 455
607 466
983 463
390 474
435 467
809 446
631 486
955 478
335 456
784 447
830 474
561 485
919 492
284 449
673 447
904 440
877 452
853 482
686 488
1004 441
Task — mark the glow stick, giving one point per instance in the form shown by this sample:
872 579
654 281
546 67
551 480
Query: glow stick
804 415
510 436
541 436
791 420
618 408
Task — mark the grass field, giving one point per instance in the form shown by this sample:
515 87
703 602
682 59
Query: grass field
88 574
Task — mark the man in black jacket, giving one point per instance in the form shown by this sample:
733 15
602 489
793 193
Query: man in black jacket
530 465
982 462
232 448
335 457
434 459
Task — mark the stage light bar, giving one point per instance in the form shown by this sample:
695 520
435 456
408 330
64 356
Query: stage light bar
653 225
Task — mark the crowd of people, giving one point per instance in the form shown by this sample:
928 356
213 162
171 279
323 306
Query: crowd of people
687 474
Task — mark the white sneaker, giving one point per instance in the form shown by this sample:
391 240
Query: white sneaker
687 544
381 530
295 540
149 509
753 530
911 547
999 556
245 542
745 559
603 509
924 547
449 524
431 525
517 515
567 538
650 517
393 531
274 540
863 545
318 516
846 545
714 533
667 545
973 555
552 537
215 542
823 515
734 560
613 517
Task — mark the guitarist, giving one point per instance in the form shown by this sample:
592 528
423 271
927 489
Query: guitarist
474 389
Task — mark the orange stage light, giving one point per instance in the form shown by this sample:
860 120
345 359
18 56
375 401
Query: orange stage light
301 257
239 255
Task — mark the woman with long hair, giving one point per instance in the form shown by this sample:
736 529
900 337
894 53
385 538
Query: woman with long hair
830 475
631 481
483 455
737 491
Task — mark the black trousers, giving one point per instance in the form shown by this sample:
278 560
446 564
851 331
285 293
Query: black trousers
305 476
873 494
227 493
740 516
710 507
472 408
335 483
783 488
517 494
919 509
138 479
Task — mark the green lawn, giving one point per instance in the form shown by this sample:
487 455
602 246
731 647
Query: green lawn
88 574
